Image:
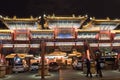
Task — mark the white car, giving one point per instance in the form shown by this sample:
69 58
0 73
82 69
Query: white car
19 68
34 66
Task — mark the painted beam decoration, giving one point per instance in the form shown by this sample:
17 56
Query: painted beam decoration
22 35
5 36
86 35
61 29
105 35
42 34
117 36
63 33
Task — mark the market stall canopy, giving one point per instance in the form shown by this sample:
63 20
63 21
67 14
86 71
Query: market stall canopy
23 55
75 53
57 53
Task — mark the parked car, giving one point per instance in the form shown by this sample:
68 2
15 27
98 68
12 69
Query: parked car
34 66
77 65
53 66
20 67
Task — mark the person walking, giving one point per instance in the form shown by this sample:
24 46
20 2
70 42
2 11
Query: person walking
119 64
98 67
88 68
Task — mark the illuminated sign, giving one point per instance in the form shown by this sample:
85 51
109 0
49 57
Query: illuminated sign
49 43
64 43
21 45
34 45
104 44
7 45
93 44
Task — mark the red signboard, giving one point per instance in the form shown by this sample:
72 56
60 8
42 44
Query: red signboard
21 35
105 35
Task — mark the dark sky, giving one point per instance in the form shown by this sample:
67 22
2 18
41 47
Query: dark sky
96 8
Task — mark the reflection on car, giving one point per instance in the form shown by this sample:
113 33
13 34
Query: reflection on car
53 66
20 67
34 66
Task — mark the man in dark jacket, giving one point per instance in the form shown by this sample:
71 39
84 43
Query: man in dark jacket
88 68
98 67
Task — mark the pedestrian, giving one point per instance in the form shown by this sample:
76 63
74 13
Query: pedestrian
88 68
119 64
98 67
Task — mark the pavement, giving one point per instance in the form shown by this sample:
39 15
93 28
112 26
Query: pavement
66 74
78 75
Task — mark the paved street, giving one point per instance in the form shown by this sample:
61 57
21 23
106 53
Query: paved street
68 74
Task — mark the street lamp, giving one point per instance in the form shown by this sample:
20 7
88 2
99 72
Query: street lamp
42 20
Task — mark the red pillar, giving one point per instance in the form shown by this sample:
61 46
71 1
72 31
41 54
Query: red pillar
43 60
1 56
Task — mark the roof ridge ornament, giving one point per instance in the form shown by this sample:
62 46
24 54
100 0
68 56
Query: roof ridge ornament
73 15
14 17
108 18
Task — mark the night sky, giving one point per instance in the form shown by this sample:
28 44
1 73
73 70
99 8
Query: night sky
93 8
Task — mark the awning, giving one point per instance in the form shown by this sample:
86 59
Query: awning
13 55
75 53
57 53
